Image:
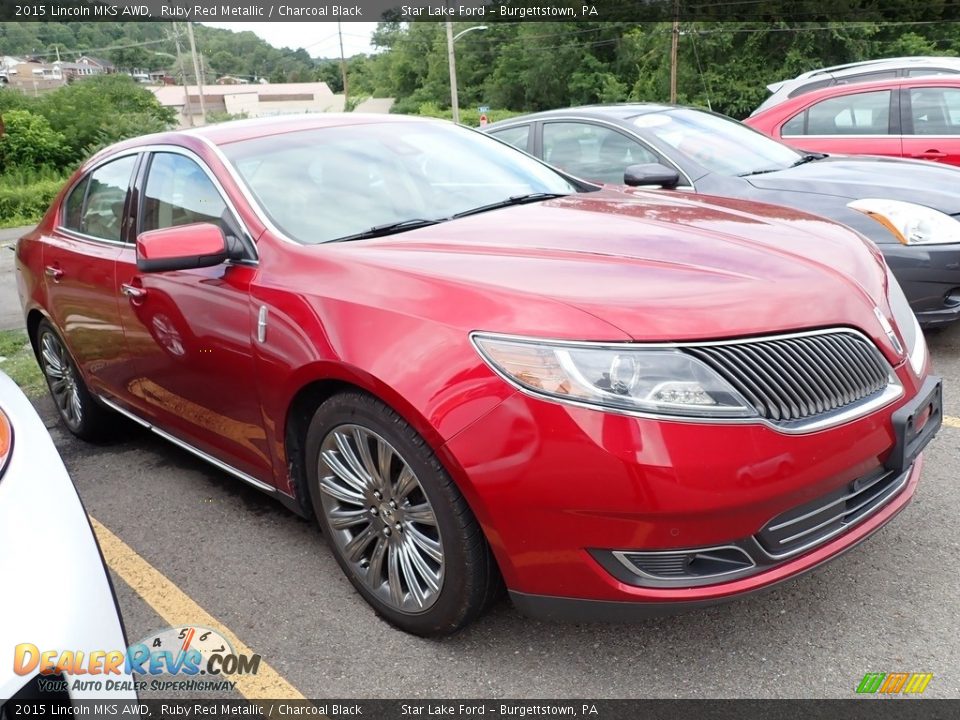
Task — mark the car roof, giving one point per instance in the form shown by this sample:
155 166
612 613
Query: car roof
880 64
619 111
238 130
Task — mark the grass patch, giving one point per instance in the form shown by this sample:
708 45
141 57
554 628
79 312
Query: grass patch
25 195
17 360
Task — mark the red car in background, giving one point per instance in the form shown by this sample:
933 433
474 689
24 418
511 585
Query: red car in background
915 118
469 366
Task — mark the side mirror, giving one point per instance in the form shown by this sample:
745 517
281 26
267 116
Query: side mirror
181 248
651 174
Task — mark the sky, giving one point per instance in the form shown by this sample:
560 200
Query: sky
317 38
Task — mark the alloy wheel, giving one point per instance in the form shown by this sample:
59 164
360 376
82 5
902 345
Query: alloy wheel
62 379
381 519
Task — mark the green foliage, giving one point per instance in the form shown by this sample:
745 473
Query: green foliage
468 116
29 141
100 110
544 65
225 51
215 116
351 104
26 195
18 361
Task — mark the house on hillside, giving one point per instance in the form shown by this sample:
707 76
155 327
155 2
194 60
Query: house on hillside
97 65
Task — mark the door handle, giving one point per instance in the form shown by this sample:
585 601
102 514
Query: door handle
133 292
53 272
931 155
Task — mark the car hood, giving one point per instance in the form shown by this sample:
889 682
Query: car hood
921 182
658 266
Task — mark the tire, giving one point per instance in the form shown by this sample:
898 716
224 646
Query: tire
421 561
79 410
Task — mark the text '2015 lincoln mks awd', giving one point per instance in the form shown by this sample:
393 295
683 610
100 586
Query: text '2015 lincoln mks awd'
475 371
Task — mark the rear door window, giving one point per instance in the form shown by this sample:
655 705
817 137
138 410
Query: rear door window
866 113
102 215
935 111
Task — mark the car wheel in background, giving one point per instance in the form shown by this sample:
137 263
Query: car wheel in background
396 522
79 410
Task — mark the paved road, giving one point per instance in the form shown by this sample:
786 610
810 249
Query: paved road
889 605
11 316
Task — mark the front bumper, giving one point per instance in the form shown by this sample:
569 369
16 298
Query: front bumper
574 609
554 484
56 591
930 277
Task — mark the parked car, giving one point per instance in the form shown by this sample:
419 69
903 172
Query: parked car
909 209
469 366
914 118
57 594
866 71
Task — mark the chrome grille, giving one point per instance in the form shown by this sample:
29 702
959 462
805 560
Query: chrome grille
795 378
813 523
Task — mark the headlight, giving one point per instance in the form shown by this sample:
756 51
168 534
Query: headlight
907 323
6 441
663 381
911 224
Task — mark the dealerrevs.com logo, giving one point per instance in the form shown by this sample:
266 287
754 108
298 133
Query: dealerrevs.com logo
901 683
181 652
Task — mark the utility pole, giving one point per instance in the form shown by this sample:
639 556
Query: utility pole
183 76
674 42
196 70
343 69
452 61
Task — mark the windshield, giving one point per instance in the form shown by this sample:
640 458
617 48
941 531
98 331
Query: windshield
340 182
721 145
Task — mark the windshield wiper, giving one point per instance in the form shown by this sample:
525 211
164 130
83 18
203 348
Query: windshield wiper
809 157
390 229
512 200
759 172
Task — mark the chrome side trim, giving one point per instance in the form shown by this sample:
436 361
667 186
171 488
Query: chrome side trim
190 448
262 324
892 392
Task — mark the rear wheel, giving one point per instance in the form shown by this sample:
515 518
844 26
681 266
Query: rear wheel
397 524
78 409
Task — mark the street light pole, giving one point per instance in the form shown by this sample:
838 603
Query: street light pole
452 62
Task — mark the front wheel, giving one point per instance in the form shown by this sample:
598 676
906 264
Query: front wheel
398 526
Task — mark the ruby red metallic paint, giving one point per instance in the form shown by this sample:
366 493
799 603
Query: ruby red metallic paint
548 482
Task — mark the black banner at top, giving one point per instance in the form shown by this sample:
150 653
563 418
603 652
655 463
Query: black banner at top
789 11
413 709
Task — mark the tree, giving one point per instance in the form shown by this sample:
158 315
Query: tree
29 142
104 108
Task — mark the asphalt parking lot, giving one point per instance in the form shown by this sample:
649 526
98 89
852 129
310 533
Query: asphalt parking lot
890 604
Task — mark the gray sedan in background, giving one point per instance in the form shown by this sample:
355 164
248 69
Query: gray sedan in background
911 209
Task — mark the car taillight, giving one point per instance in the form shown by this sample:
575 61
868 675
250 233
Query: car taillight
6 441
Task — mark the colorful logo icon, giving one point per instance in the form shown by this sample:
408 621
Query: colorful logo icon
901 683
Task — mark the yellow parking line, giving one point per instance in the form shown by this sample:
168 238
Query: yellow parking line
950 421
177 608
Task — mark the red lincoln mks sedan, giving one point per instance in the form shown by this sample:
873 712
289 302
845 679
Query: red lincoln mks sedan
474 370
